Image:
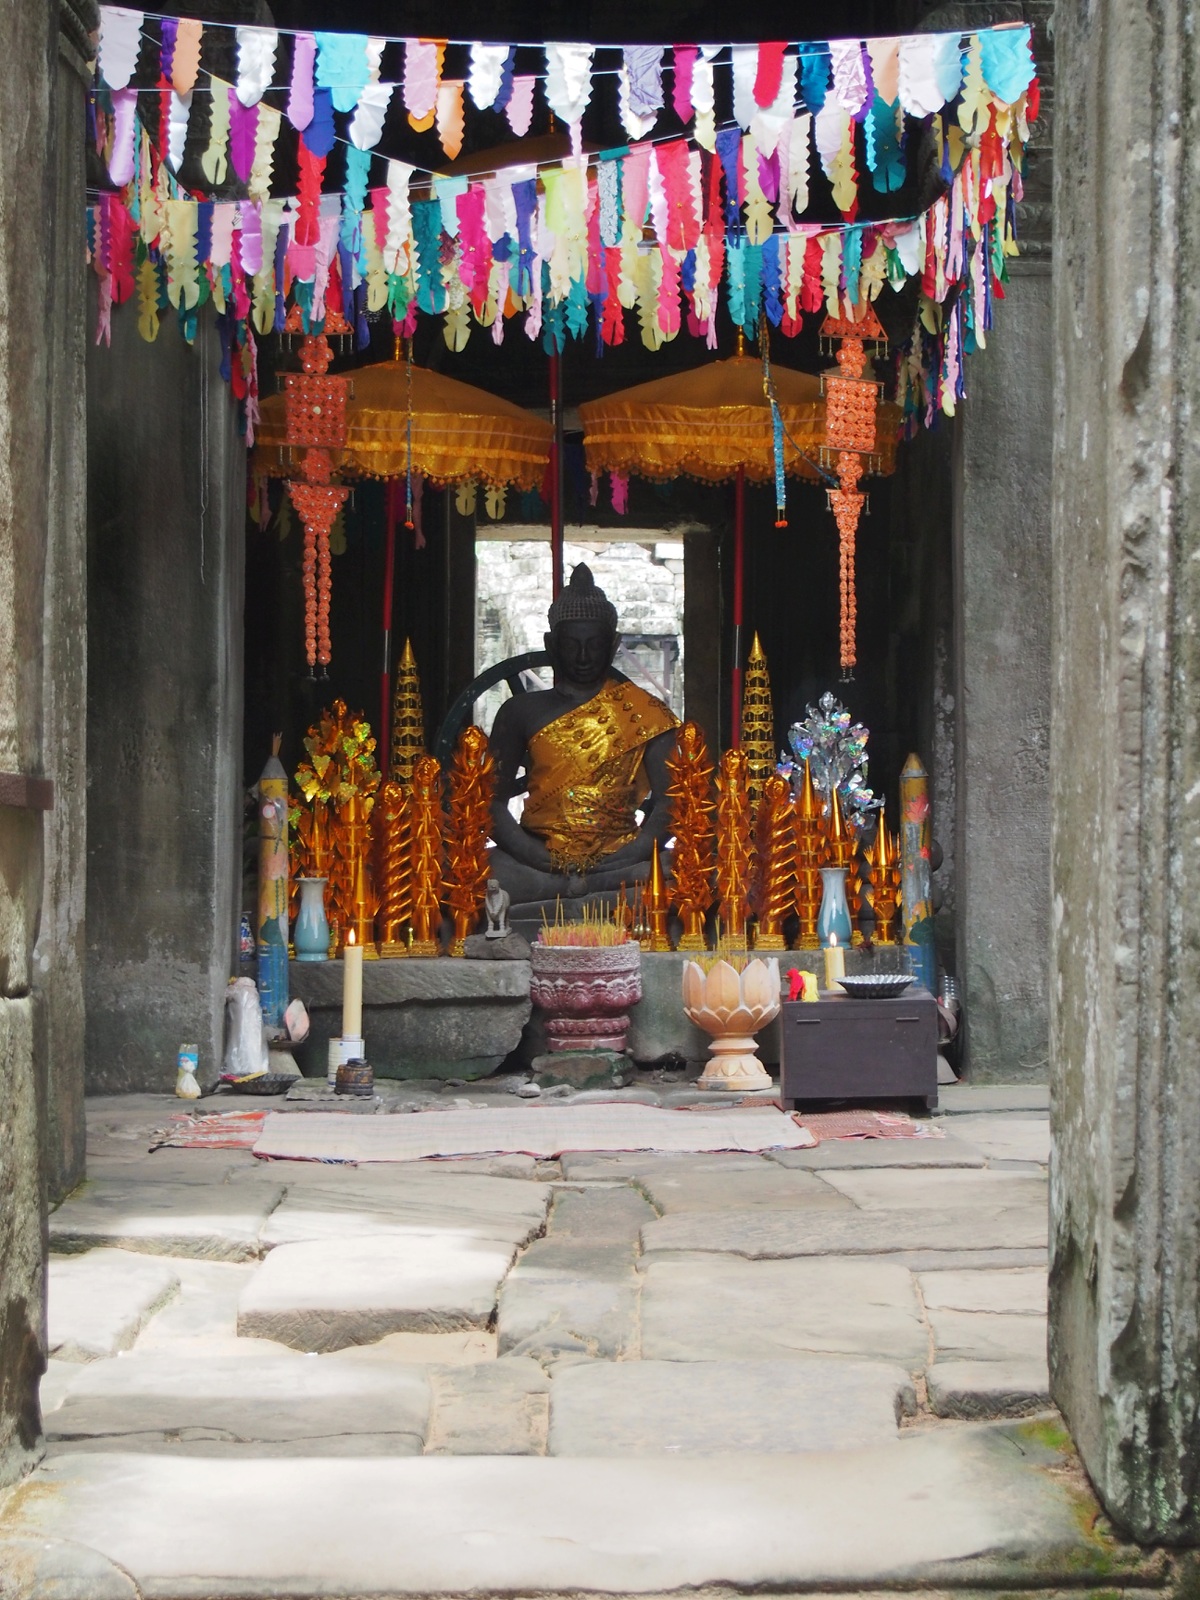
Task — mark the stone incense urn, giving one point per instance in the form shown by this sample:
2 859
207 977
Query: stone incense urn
586 992
732 1006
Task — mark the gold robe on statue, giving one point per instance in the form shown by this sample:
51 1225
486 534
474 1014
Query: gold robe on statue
586 776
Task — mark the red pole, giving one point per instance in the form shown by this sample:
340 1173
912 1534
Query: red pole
739 601
556 501
384 747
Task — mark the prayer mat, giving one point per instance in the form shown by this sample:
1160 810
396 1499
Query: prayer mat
219 1130
542 1131
867 1125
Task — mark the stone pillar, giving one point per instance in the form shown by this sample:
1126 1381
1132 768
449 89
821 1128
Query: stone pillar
1002 714
995 879
166 513
31 374
58 959
1125 760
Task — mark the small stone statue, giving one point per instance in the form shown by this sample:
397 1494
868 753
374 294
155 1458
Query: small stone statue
496 903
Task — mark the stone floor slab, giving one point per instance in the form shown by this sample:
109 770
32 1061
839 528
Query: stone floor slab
498 1408
987 1336
417 1200
652 1408
962 1507
699 1308
98 1303
946 1191
567 1297
762 1235
313 1407
438 1349
204 1308
600 1216
589 1167
959 1098
974 1389
674 1187
1017 1293
334 1292
219 1222
1008 1137
839 1155
60 1569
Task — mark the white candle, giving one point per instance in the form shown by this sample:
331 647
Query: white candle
352 960
835 962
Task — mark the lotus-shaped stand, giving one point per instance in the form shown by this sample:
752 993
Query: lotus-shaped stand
732 1006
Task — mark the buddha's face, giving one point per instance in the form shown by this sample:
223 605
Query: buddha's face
581 652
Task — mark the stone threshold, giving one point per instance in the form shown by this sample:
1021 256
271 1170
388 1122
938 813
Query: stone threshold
973 1507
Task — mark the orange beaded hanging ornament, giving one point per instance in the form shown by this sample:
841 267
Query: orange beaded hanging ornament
316 423
851 405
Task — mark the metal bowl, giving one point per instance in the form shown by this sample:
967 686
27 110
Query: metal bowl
875 985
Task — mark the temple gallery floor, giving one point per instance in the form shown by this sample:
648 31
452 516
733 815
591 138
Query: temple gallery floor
811 1369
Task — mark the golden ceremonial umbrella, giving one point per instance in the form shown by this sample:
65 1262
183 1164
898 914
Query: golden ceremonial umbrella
404 419
711 423
459 433
714 423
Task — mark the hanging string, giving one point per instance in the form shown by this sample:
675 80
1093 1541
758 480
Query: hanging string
408 430
721 60
204 363
780 430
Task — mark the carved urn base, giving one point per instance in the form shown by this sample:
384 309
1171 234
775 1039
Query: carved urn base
732 1006
586 992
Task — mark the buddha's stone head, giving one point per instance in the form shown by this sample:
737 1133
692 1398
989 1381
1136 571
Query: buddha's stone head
583 637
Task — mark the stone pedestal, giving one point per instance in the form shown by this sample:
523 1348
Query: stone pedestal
442 1017
1125 763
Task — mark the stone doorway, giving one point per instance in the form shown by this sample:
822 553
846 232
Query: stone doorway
640 569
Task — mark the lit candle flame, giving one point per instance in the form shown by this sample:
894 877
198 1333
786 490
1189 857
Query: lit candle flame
350 937
832 939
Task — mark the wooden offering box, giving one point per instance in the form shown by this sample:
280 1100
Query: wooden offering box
843 1049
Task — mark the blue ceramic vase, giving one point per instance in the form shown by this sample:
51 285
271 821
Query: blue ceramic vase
834 917
311 938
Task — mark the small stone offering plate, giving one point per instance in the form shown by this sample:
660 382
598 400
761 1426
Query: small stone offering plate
875 985
264 1083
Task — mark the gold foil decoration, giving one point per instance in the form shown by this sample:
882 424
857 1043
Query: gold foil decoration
885 867
472 781
354 852
394 824
408 718
691 809
735 855
776 863
340 768
806 822
427 825
758 723
655 902
839 839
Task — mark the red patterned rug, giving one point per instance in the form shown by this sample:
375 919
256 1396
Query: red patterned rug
866 1125
219 1130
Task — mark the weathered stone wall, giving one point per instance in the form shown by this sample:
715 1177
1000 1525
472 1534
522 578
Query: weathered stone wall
989 746
1002 714
166 515
41 103
58 960
1125 759
513 592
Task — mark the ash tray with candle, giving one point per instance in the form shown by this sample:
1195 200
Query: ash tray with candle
355 1077
875 985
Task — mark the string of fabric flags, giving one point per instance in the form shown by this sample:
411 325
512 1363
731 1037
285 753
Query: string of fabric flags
663 227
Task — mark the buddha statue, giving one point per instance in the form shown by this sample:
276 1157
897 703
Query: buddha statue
588 753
